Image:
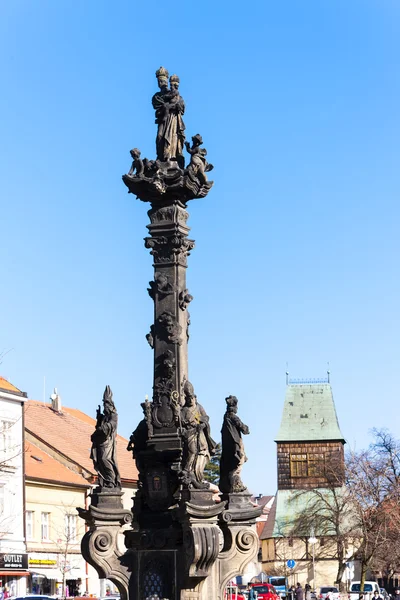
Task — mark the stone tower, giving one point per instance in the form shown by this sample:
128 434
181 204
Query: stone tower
309 441
310 460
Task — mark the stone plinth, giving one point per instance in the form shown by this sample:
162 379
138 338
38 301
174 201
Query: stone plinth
106 518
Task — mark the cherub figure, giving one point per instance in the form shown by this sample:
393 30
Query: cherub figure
184 299
161 284
150 167
137 164
198 162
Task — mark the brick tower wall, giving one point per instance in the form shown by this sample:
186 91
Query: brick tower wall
303 465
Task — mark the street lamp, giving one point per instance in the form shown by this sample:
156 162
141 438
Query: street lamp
313 540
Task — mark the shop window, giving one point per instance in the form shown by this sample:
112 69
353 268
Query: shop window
70 528
45 526
298 465
29 524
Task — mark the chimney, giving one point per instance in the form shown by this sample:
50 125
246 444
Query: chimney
55 401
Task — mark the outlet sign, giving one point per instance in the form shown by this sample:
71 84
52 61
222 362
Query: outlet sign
12 560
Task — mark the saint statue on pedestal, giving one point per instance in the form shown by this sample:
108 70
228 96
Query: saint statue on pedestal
169 107
233 455
198 444
104 444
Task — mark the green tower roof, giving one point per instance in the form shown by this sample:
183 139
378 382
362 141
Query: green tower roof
309 414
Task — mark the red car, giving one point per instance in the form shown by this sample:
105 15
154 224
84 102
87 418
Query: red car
265 591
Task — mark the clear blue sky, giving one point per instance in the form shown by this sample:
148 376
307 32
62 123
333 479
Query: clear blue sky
297 255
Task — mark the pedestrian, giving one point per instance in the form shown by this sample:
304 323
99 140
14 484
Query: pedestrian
396 594
293 590
377 595
307 589
299 592
252 594
6 593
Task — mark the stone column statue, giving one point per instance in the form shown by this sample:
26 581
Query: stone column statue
183 545
104 444
233 456
198 444
169 107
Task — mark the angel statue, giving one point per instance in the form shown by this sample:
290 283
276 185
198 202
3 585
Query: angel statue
198 163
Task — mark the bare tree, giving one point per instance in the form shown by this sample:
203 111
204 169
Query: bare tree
373 481
3 354
328 515
361 518
67 542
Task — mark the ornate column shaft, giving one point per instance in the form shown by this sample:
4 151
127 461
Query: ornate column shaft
170 247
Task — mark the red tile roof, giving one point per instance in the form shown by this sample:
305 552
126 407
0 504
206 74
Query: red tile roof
268 528
41 466
260 527
69 434
6 385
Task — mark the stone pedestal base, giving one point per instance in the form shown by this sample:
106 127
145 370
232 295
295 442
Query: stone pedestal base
194 558
105 518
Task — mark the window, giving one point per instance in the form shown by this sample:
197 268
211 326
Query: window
70 528
6 439
2 490
29 524
45 527
298 465
316 465
307 465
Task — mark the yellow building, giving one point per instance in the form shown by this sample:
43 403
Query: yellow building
59 477
53 529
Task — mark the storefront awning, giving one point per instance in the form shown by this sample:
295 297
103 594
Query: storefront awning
14 573
48 573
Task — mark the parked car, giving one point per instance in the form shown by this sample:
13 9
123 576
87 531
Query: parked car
329 592
265 591
369 588
32 597
232 592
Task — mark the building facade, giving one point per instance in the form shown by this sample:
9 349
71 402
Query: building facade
310 458
13 554
59 478
53 529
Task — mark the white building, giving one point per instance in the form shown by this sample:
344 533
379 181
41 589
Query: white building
13 555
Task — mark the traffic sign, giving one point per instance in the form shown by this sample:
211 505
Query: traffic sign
291 563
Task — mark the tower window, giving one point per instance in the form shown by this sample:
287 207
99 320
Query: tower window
307 465
298 465
316 465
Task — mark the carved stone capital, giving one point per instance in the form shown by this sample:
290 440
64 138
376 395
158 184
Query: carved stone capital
169 249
